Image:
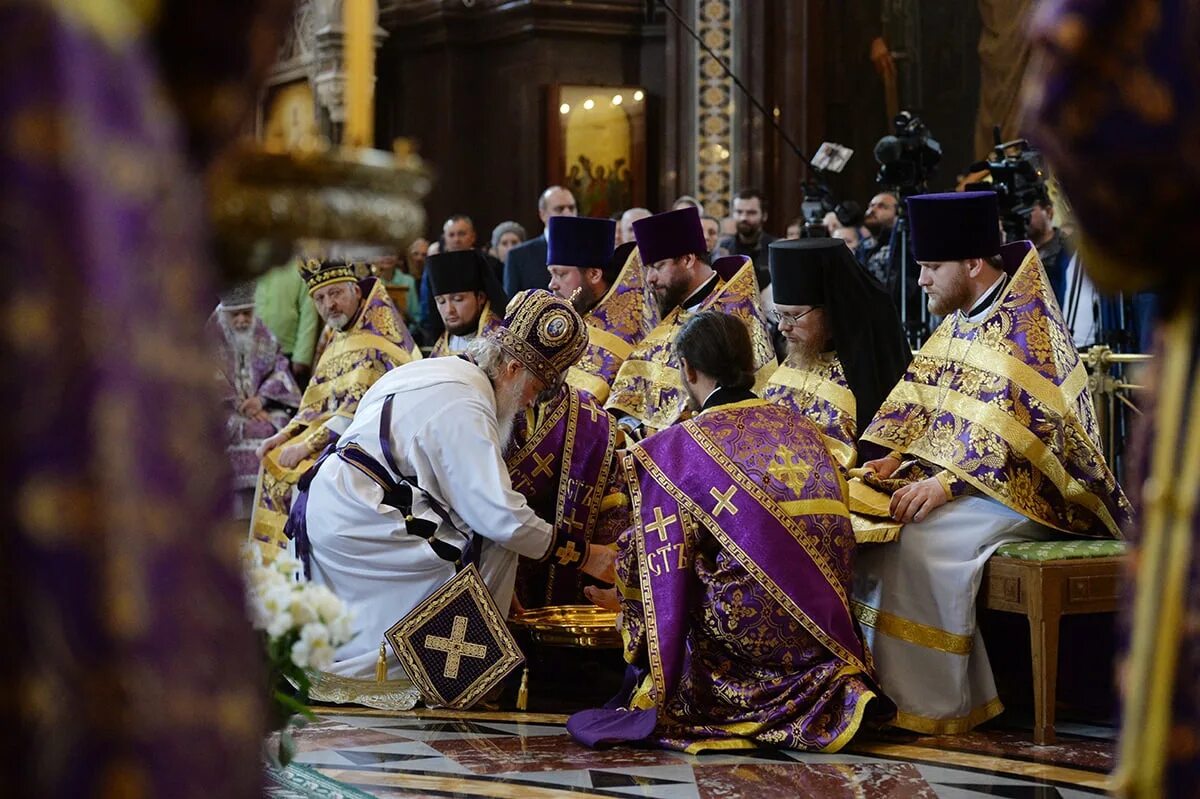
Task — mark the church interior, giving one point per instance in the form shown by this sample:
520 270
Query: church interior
600 398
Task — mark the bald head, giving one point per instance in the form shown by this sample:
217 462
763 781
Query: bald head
627 220
556 201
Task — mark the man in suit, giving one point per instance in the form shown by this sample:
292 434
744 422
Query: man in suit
525 267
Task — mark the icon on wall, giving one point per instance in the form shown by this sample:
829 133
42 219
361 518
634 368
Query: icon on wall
597 146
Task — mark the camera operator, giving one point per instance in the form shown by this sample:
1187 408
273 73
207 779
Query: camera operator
1054 249
875 254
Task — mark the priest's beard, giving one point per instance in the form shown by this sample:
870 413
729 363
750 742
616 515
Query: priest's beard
508 405
583 298
464 328
802 354
669 297
954 295
240 341
337 322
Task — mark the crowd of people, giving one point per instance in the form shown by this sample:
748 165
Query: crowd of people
731 444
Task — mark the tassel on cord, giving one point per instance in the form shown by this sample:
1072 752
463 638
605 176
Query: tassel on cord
523 691
381 664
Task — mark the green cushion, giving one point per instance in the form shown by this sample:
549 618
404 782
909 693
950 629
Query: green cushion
1062 550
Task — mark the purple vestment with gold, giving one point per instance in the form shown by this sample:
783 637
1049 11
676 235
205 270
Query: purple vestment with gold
251 366
621 319
1001 407
561 458
820 393
1113 101
129 666
647 386
734 583
348 363
488 322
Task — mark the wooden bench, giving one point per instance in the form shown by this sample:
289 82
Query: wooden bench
1046 580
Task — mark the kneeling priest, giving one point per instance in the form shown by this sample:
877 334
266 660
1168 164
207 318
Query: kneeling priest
733 582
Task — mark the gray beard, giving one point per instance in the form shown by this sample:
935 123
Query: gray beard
508 405
337 323
240 341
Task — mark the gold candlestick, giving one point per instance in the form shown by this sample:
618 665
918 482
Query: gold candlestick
358 19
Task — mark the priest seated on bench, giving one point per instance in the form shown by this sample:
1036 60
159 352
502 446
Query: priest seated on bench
989 438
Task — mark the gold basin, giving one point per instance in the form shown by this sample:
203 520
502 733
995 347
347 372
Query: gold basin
585 626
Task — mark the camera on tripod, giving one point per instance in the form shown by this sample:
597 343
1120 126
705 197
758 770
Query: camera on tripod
1018 180
818 203
908 158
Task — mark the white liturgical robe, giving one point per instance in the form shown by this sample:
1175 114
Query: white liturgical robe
444 432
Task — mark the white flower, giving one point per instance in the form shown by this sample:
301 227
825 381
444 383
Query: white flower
301 608
260 619
280 625
326 603
286 565
341 629
313 650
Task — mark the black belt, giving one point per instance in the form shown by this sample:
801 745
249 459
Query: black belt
396 493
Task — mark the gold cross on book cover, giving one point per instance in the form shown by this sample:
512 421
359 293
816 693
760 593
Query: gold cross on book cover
455 645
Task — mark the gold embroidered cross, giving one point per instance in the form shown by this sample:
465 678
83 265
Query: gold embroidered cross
543 466
660 525
591 408
724 501
572 522
567 554
456 647
791 472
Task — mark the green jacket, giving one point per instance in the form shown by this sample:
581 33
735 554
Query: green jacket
281 300
412 314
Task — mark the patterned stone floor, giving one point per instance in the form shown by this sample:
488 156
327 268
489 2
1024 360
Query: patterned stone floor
499 754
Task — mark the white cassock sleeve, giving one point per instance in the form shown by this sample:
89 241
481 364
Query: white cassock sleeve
462 448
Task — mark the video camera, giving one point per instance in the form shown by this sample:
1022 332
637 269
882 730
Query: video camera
909 158
819 200
1018 180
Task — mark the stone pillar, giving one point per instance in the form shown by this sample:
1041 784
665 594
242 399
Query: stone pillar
328 74
712 105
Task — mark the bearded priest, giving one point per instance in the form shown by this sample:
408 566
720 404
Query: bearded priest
845 346
364 338
647 394
438 427
733 582
990 437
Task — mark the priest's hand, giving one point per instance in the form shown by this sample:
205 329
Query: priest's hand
601 563
915 501
292 454
883 467
603 597
251 407
270 444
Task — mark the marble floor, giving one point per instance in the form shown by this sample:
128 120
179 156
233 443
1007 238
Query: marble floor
428 753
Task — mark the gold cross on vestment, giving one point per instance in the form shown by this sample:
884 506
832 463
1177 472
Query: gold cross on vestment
724 501
572 522
567 554
790 471
591 408
543 466
660 525
456 647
